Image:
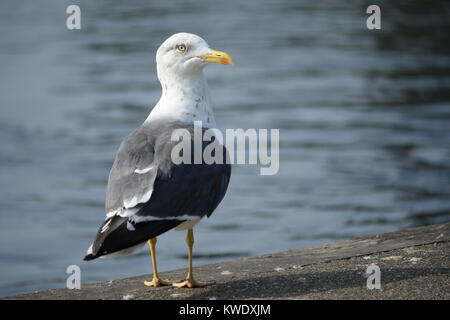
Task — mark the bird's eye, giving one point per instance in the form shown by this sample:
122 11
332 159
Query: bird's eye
181 48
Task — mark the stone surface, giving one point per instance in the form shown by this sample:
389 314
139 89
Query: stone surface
414 264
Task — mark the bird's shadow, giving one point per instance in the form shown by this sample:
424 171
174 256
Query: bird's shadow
284 286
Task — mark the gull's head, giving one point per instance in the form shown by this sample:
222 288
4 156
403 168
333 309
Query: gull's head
187 53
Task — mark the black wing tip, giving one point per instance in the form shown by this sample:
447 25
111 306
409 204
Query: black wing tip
89 257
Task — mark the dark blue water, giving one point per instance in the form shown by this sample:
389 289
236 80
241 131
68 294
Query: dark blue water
364 120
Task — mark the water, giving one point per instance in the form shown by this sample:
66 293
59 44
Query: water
364 119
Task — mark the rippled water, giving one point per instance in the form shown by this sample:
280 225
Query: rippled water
364 120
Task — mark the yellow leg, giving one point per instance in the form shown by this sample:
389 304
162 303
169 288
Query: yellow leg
189 282
156 281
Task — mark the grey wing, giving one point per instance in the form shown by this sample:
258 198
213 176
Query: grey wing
130 184
132 175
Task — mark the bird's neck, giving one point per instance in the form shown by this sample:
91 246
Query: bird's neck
184 98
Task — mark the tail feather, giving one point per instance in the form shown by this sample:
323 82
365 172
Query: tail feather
118 234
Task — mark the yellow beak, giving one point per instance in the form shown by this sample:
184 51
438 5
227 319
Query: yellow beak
218 56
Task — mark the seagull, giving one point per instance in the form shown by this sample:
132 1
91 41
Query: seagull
148 193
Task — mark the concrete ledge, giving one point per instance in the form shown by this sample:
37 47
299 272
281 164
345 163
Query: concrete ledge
414 264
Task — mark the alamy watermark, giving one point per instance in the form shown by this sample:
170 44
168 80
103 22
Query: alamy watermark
374 20
73 21
262 146
373 274
74 279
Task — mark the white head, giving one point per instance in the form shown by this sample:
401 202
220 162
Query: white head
185 95
185 54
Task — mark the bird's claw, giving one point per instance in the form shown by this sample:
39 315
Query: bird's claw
156 282
191 283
